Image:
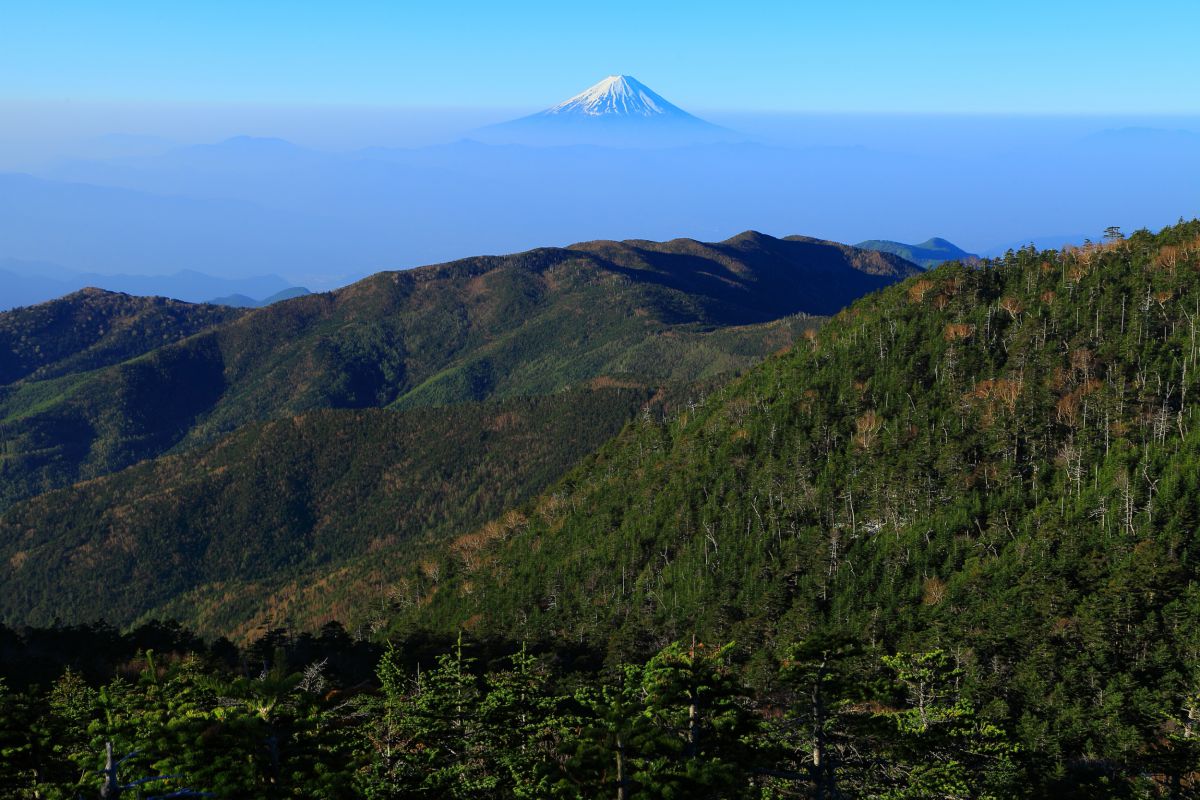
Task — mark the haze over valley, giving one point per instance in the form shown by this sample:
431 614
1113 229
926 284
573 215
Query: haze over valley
286 213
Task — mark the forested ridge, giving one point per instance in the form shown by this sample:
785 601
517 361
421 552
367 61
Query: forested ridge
220 465
213 536
944 546
481 328
998 461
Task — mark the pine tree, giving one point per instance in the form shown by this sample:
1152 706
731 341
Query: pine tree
943 746
613 744
697 702
522 719
440 721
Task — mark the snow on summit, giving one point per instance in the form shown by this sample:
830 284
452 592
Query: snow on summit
621 95
619 111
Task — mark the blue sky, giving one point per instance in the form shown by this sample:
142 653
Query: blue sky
1015 56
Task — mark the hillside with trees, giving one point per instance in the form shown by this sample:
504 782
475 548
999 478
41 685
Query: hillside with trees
942 546
259 460
483 328
210 536
994 461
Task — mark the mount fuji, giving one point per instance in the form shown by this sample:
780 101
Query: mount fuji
618 111
617 96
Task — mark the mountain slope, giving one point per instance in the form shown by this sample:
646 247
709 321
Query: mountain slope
491 327
92 328
619 110
999 461
617 95
927 254
296 496
292 447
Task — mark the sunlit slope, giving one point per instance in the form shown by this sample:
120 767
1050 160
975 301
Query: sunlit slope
491 327
999 460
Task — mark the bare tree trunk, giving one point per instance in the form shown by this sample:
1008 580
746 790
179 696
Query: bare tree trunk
693 731
621 794
824 783
111 788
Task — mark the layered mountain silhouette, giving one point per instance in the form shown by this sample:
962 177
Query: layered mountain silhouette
27 283
619 110
244 301
294 437
928 253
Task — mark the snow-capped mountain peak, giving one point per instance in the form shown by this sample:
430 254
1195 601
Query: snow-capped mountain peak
619 111
617 95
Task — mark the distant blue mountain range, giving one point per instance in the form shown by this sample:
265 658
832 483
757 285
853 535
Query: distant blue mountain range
242 301
24 283
249 206
927 254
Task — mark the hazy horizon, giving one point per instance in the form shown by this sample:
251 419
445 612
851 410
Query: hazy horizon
116 156
940 146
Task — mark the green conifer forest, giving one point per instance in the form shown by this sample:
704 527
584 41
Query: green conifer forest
942 546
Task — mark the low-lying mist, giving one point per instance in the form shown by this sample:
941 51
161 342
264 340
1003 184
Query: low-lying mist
319 197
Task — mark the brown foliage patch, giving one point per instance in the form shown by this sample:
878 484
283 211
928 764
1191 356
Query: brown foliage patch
1013 306
1066 410
993 395
933 591
866 429
1168 258
998 390
957 331
472 548
917 292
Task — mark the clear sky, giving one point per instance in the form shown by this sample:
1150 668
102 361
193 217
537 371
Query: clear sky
984 56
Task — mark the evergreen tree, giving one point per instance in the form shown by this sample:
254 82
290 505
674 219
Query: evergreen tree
440 721
943 746
826 739
523 719
615 748
698 704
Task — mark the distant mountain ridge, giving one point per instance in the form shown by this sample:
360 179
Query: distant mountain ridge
928 254
243 301
467 330
27 283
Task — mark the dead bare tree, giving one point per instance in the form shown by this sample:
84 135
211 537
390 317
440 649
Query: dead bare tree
112 788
